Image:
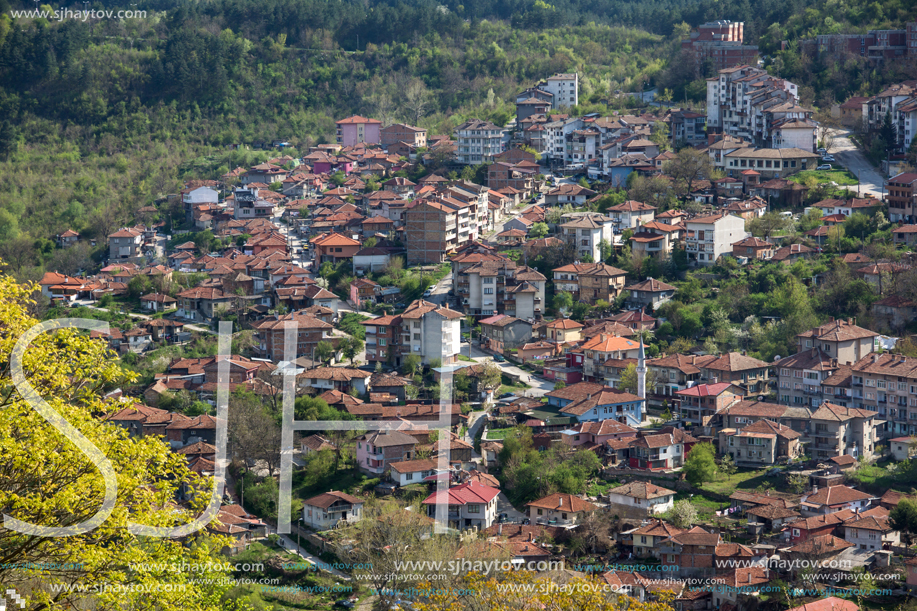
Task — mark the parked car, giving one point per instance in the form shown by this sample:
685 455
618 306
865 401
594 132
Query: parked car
499 358
428 292
824 166
506 395
821 151
828 158
344 604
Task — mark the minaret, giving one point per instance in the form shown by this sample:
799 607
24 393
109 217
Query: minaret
641 371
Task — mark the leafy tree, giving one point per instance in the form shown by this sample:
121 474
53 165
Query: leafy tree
538 230
563 301
411 364
323 352
661 135
559 385
903 518
689 165
797 482
767 224
49 481
351 347
683 514
700 466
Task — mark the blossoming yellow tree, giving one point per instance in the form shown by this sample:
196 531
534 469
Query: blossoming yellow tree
46 480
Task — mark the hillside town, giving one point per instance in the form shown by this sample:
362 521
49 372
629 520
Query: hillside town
528 319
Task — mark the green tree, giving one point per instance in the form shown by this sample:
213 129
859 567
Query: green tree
903 518
767 224
411 364
683 514
323 352
351 347
538 230
563 301
700 466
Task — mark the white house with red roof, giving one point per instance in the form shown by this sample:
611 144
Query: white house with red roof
469 505
561 509
328 509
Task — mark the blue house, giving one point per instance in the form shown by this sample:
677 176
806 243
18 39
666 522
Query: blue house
589 402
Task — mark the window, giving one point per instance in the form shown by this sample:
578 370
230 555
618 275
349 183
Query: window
474 509
488 290
381 341
409 476
540 512
487 280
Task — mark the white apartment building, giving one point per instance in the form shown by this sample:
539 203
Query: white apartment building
431 332
709 237
478 141
747 102
555 137
587 232
564 87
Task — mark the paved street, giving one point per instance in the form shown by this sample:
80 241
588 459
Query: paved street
853 159
539 386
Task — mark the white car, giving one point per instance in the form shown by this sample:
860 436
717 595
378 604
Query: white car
428 292
827 158
826 166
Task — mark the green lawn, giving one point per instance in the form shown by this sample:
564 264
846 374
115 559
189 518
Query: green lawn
496 434
742 479
839 175
462 357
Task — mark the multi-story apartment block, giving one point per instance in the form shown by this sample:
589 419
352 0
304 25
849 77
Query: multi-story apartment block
687 128
709 237
434 227
902 198
876 107
270 332
761 444
431 332
554 137
400 132
564 89
905 121
491 287
886 384
587 233
836 430
383 340
590 281
247 205
582 145
478 142
875 45
749 103
356 129
674 372
125 244
722 42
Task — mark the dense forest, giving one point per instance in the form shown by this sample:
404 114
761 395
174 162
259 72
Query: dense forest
99 118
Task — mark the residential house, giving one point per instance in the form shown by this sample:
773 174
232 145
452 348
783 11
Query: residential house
270 333
834 499
377 450
563 330
903 448
885 384
702 402
560 509
645 497
709 237
343 379
650 292
657 453
198 304
646 538
125 244
156 302
763 443
771 162
837 430
590 282
383 339
594 434
871 533
334 247
598 349
400 132
753 248
568 193
501 332
470 505
327 510
655 239
769 518
687 128
416 471
690 552
608 403
902 198
631 214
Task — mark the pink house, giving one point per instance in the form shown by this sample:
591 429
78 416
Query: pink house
356 129
596 433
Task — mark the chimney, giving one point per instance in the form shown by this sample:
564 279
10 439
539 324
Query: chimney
749 576
713 380
532 537
875 357
560 500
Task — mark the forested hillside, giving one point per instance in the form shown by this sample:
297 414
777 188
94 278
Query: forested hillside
102 117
